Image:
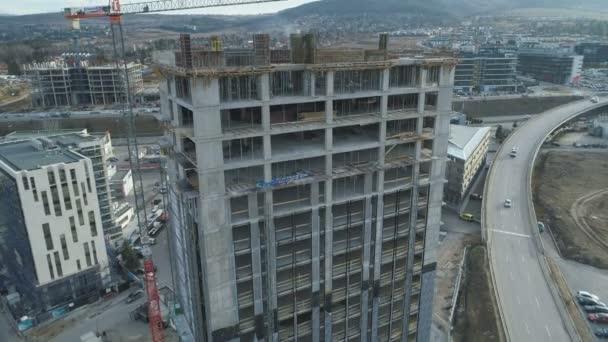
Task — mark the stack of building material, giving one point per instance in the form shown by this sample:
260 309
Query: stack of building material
311 116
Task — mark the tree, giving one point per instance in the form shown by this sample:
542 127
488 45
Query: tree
498 132
515 124
128 257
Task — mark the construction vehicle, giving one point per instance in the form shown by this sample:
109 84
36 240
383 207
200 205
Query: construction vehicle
114 12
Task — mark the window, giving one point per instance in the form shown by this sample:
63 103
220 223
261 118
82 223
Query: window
58 264
56 203
67 200
45 202
73 229
84 194
79 211
34 191
64 247
26 185
50 263
51 176
92 223
48 240
87 254
86 171
62 178
74 182
78 264
94 252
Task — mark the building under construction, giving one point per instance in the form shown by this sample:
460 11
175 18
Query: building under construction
58 84
305 189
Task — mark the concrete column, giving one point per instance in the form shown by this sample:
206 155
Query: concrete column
423 73
421 100
256 265
385 79
329 112
271 269
313 78
215 233
329 83
329 241
266 117
411 247
263 83
367 236
384 105
378 251
267 148
315 262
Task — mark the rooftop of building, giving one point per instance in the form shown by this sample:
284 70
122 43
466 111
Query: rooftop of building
210 57
67 138
464 140
120 175
26 155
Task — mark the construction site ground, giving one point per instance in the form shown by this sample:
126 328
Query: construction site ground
476 318
455 235
571 197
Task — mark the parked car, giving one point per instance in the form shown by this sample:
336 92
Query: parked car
467 217
475 196
113 159
541 226
588 301
163 190
134 296
508 203
595 309
598 317
602 333
583 293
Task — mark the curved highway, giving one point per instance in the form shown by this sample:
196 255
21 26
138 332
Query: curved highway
527 307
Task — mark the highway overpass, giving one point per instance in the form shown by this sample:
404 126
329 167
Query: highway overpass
530 308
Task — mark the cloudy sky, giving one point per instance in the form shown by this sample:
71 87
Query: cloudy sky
41 6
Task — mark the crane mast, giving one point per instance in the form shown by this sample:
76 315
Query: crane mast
114 12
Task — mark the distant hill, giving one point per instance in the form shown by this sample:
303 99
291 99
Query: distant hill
450 8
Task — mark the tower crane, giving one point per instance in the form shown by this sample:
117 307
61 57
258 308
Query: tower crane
114 11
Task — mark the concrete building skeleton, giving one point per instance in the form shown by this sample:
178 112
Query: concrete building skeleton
291 188
57 84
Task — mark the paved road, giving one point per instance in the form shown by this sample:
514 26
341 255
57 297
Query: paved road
529 310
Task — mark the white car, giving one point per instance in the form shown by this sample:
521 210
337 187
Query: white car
595 99
508 203
587 294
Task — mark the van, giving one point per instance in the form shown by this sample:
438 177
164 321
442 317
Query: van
467 217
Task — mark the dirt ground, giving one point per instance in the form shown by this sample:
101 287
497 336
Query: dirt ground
568 190
448 263
476 318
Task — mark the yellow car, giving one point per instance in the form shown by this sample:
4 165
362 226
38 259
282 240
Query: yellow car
467 217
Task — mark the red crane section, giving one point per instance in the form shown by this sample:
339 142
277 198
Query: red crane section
154 314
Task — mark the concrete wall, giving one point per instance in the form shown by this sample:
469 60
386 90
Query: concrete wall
146 125
511 106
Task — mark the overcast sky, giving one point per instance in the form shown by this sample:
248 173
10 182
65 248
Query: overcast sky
41 6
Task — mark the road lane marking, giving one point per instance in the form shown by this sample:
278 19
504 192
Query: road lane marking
511 233
518 301
511 275
523 260
528 276
547 329
507 258
537 303
527 329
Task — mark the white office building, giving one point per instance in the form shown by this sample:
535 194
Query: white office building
52 248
